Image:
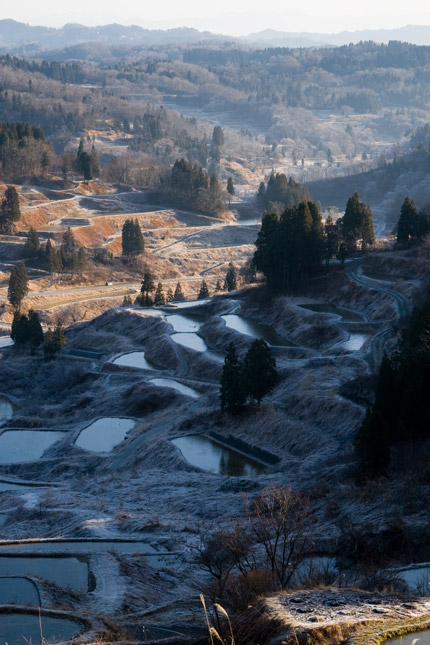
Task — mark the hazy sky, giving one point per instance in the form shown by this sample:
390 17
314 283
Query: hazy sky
236 18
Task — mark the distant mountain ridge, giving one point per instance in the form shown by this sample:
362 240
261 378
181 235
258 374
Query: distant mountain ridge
18 35
415 34
15 34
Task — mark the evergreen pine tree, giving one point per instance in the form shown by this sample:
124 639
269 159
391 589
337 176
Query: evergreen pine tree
259 371
21 330
218 286
232 395
218 136
261 196
147 287
48 345
59 337
51 259
357 223
179 294
81 258
230 189
18 285
132 238
10 210
32 244
230 282
170 296
204 291
407 221
54 341
159 297
86 166
68 250
35 332
95 165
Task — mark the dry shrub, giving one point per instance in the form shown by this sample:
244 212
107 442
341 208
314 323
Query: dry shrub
254 626
242 590
142 399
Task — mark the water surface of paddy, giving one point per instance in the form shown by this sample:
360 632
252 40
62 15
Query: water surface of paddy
18 446
211 456
104 434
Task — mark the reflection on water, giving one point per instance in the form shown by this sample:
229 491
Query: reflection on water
418 578
134 359
190 340
250 327
350 316
17 446
64 572
18 591
190 303
182 323
104 434
25 628
215 458
354 342
5 341
418 638
174 385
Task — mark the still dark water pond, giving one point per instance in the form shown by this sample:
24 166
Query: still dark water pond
64 572
25 628
18 591
252 328
215 458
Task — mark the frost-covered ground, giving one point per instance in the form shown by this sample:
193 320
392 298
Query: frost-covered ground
144 490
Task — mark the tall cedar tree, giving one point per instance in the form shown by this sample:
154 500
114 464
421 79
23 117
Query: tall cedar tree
32 244
18 285
230 282
10 210
147 287
411 225
170 296
51 260
232 393
179 294
259 371
230 189
159 297
132 238
204 291
357 223
35 332
54 341
218 136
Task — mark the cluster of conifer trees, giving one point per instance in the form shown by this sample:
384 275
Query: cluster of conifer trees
192 185
401 412
70 256
293 245
23 150
252 378
412 225
132 238
282 191
87 162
